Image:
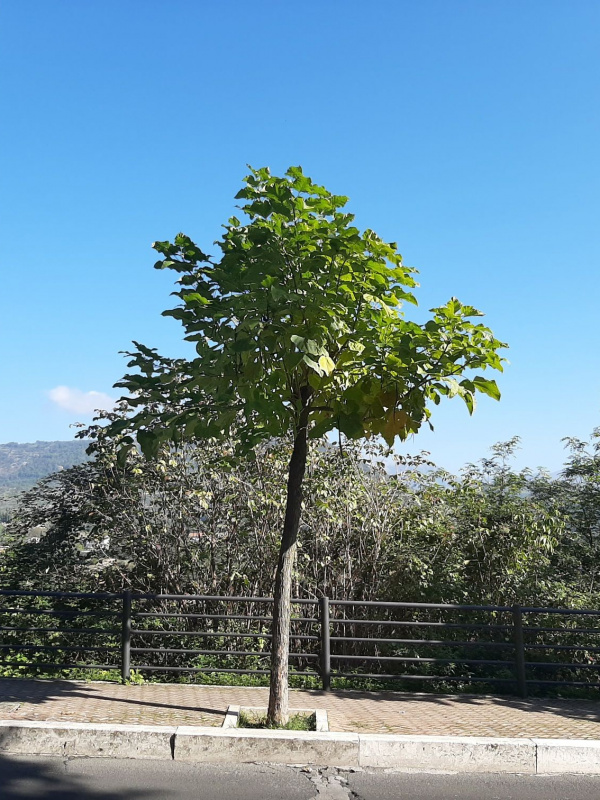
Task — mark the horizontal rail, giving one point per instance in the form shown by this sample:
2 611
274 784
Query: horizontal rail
216 598
466 626
221 634
437 606
61 613
445 642
78 595
298 601
539 629
416 660
458 607
560 665
564 683
570 647
183 615
210 670
587 612
37 665
95 631
61 648
404 677
415 624
221 653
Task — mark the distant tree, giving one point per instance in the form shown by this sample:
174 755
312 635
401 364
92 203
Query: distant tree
298 331
504 535
576 492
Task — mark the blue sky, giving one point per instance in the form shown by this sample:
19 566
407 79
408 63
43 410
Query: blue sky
466 131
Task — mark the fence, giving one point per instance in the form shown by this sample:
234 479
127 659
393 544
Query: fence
393 644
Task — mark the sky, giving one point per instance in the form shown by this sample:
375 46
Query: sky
465 130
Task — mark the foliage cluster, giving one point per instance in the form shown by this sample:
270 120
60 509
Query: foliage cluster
299 328
375 526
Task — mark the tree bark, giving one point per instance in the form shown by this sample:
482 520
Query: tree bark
277 714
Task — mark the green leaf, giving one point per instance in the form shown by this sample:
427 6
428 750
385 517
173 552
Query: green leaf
195 297
326 365
453 386
488 387
357 347
312 364
242 345
470 401
351 425
322 427
149 443
314 380
278 293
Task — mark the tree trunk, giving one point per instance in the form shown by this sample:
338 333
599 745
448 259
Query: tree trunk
280 643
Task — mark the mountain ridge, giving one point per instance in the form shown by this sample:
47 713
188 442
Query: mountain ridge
23 464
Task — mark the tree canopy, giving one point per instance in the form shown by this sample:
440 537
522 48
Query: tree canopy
301 311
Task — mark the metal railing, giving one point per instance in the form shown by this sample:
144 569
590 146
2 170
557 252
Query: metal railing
397 644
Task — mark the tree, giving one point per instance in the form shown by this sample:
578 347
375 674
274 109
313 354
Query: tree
576 492
504 536
298 331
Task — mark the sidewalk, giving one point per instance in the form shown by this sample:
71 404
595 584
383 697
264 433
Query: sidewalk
349 711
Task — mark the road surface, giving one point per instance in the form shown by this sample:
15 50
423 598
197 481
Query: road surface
37 778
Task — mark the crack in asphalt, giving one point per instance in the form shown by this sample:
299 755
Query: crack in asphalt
331 783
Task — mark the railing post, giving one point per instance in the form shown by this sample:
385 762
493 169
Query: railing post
325 644
126 637
519 643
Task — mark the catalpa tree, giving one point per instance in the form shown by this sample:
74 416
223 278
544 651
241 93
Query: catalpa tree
298 331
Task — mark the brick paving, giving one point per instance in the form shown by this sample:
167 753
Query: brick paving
363 712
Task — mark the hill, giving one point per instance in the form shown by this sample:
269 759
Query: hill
23 464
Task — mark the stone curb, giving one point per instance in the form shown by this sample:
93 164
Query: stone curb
232 745
86 739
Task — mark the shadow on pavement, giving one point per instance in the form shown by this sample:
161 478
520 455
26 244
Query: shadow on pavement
38 778
38 692
573 709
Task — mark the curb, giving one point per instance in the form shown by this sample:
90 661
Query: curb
353 750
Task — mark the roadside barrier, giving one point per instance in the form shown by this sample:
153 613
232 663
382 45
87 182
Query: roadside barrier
513 648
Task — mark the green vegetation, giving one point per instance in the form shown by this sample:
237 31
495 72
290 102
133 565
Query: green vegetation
375 526
295 722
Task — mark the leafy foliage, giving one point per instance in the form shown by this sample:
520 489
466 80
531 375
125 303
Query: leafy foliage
303 311
576 493
375 526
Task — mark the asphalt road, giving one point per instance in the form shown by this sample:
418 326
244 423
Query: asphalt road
33 778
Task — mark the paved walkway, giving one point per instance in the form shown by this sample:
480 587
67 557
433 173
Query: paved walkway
361 712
